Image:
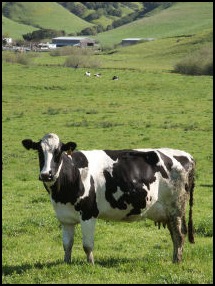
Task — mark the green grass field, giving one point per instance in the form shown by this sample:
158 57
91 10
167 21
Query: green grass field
149 106
140 110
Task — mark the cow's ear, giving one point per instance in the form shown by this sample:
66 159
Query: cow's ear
29 144
70 146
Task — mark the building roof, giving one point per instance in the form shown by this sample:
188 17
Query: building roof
132 39
70 38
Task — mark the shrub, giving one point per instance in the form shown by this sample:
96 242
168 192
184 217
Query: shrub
82 61
20 58
69 50
77 57
198 63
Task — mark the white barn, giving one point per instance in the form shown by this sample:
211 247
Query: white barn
73 41
132 41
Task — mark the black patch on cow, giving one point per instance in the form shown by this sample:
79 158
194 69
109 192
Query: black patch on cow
167 162
79 159
68 187
132 170
41 157
88 206
150 157
111 188
28 144
184 161
47 189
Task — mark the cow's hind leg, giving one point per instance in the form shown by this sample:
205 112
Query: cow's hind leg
68 239
176 228
88 229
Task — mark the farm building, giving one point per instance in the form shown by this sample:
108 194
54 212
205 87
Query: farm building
46 46
7 41
132 41
73 41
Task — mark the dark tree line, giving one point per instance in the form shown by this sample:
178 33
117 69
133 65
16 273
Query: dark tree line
43 34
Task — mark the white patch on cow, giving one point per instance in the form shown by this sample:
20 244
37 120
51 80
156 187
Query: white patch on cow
66 213
144 150
87 73
175 152
47 165
84 172
144 187
118 194
49 143
58 171
97 160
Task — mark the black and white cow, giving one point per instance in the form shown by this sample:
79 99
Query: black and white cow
123 185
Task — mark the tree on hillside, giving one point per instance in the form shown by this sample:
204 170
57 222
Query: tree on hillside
43 34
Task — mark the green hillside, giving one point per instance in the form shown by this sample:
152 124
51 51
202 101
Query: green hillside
48 15
102 13
14 29
183 18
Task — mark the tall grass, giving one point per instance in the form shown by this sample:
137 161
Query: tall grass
22 58
198 63
69 51
77 57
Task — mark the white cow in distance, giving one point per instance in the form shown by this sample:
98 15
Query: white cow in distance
87 73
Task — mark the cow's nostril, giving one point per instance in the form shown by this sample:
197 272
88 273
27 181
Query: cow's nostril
46 176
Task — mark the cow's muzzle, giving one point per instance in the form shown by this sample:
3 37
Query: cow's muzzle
46 177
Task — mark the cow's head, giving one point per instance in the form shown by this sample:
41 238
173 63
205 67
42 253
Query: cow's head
50 151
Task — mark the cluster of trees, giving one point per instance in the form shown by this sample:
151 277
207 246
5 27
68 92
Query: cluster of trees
99 28
43 34
98 9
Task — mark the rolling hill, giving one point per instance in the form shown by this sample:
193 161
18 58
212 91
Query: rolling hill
105 13
15 30
182 18
48 15
178 19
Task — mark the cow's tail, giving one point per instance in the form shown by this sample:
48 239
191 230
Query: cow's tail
191 191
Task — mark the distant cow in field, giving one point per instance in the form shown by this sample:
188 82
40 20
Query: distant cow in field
121 185
115 77
87 73
97 75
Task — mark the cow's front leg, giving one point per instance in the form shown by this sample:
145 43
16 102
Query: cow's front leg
88 229
68 239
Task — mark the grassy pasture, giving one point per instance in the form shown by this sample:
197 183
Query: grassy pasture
147 107
139 110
